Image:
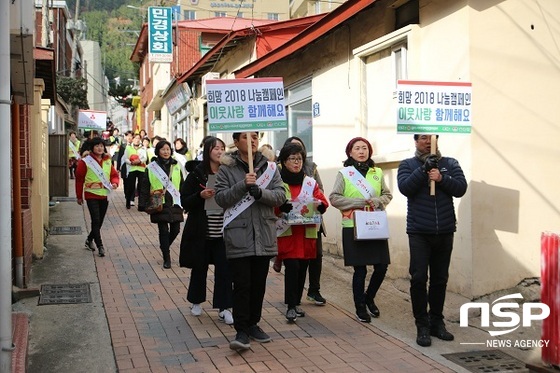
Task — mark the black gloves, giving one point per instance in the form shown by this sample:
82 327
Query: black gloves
430 163
286 207
321 208
255 191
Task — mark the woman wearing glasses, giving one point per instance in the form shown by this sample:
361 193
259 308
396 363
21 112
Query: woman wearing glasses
297 243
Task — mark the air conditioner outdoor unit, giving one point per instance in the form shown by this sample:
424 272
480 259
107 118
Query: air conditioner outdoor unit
208 76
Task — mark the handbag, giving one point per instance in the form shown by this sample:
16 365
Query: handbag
370 225
155 202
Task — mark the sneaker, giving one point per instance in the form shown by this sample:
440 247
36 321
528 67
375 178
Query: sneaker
423 338
372 308
441 333
291 315
317 298
241 342
226 317
89 245
101 251
196 310
362 314
256 333
300 312
132 203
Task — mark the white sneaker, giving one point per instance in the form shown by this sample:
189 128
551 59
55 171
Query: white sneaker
226 316
196 310
132 203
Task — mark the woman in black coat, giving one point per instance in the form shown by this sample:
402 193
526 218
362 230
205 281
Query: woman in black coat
202 243
170 217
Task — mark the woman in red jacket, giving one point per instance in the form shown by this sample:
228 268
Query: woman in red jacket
297 241
95 178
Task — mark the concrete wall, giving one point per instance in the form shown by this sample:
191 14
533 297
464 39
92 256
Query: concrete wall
509 51
97 93
515 70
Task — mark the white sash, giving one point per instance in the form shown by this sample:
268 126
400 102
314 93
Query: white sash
165 181
359 181
98 171
305 194
247 200
74 150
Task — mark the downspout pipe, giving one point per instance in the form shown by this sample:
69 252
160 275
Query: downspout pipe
6 344
16 181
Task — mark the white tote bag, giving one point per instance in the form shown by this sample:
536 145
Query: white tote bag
370 225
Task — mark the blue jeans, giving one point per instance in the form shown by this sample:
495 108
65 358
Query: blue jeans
429 253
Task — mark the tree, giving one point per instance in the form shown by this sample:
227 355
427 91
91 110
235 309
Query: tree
73 91
123 94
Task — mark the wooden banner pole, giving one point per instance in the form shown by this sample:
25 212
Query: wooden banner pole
433 150
250 152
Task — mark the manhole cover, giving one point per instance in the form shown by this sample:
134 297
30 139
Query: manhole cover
66 230
487 361
65 294
65 199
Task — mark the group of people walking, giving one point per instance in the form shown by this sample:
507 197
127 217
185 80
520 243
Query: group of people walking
243 210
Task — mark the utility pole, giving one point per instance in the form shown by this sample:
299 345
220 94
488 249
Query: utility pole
6 344
46 29
75 41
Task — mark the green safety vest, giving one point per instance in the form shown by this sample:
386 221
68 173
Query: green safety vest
174 176
374 177
93 184
130 151
310 229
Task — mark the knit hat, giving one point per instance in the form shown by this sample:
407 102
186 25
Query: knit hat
355 140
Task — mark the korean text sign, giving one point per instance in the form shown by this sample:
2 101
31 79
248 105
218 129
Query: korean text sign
93 120
433 107
242 105
160 45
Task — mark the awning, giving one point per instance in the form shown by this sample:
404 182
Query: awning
157 101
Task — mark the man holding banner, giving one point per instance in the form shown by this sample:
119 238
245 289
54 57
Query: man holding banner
430 225
248 187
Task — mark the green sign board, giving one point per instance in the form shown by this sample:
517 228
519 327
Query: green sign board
433 107
246 105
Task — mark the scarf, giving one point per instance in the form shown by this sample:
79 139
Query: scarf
422 157
291 178
362 167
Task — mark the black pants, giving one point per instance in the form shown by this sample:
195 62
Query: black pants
375 281
294 280
249 285
167 234
97 210
316 267
133 181
223 289
429 252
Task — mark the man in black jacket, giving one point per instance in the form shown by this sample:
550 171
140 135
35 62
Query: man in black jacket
430 225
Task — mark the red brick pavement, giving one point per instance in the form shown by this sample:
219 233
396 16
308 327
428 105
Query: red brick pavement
152 329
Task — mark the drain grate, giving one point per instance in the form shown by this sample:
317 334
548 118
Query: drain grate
65 294
487 361
66 230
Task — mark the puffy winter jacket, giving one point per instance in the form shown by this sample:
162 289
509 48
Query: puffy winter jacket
253 232
431 214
